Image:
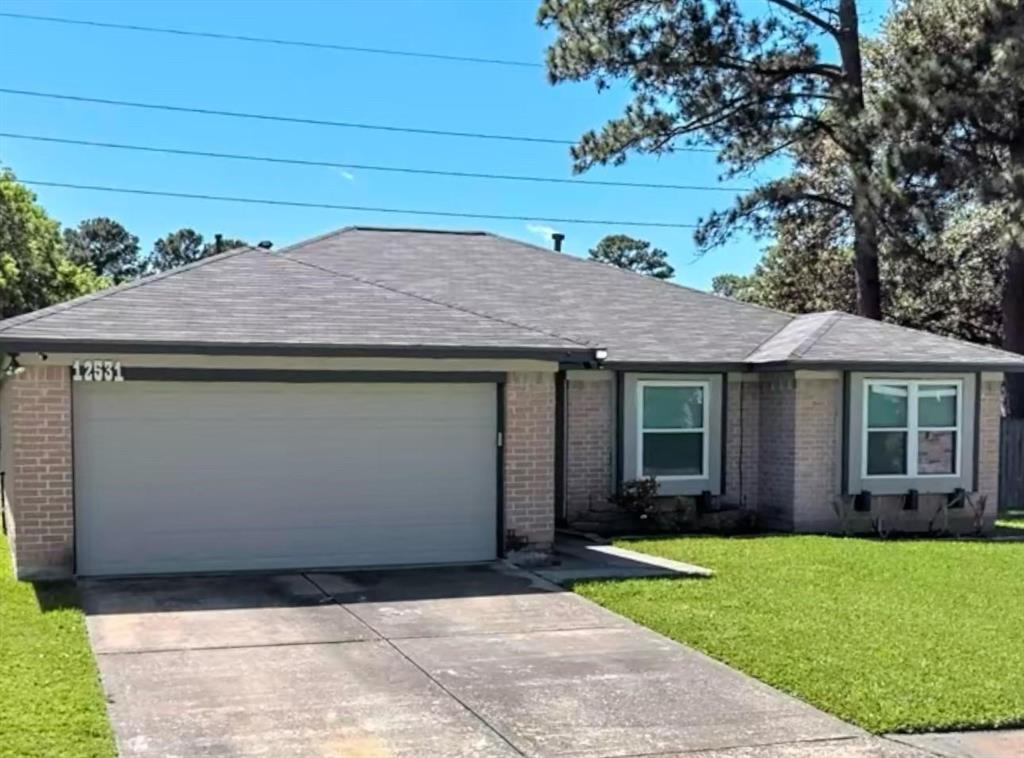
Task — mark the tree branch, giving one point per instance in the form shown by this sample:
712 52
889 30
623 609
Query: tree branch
806 15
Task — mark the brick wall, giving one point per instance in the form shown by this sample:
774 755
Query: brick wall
530 457
817 485
742 440
589 443
36 422
989 421
777 462
818 449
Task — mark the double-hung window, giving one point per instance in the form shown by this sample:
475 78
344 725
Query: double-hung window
912 428
672 429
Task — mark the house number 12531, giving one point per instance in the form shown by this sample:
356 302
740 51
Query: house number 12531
97 371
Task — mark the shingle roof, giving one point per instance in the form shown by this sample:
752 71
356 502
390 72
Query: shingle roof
835 337
252 297
365 287
637 318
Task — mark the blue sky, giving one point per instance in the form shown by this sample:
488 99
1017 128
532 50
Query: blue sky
330 85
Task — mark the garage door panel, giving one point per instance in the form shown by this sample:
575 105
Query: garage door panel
200 477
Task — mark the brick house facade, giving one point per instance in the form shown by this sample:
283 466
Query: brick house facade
762 413
784 458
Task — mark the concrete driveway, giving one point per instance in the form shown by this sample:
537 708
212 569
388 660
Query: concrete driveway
471 661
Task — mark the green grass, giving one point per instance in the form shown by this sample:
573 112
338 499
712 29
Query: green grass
1011 520
51 703
908 635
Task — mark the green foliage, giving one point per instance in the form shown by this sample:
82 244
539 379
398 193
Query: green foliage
951 285
51 703
106 247
894 636
183 247
756 85
34 270
176 249
736 286
952 103
637 497
634 255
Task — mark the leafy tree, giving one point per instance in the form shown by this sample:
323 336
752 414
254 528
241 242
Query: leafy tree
953 101
735 286
634 255
176 249
34 270
950 286
757 86
106 247
185 246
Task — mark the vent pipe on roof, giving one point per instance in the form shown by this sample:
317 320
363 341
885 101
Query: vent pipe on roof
265 244
218 244
557 238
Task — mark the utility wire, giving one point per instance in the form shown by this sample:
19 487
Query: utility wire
273 40
364 208
363 166
302 120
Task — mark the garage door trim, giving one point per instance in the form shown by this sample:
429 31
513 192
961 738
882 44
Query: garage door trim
307 376
498 378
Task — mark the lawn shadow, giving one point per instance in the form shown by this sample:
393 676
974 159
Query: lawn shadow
1001 534
56 595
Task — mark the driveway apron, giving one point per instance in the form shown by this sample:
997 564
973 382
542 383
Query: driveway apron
465 661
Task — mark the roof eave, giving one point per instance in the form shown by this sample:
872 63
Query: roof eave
676 367
893 366
34 345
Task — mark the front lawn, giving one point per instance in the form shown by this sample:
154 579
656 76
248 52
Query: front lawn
1011 520
907 635
51 703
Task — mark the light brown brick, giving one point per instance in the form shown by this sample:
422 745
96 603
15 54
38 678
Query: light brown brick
35 420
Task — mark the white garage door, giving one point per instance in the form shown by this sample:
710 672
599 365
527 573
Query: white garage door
189 476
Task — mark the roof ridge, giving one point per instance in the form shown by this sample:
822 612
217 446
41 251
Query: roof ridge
772 336
833 318
27 318
417 230
576 259
424 298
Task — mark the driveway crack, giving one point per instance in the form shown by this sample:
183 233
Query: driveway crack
422 670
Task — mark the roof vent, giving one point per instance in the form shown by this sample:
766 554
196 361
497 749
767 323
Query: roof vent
557 238
265 244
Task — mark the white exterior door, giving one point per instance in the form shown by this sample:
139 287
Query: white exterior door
192 476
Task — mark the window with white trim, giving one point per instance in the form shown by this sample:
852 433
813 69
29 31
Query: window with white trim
672 429
912 428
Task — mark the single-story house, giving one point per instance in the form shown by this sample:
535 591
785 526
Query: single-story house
382 396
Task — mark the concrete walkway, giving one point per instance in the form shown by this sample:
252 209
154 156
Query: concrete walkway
1000 743
578 558
475 661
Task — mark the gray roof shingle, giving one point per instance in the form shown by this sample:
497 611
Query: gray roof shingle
259 298
842 338
381 288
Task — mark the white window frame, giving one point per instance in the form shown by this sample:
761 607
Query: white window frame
705 428
912 429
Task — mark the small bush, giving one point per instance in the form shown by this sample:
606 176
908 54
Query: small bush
637 497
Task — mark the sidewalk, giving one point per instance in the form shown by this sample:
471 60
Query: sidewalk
1002 743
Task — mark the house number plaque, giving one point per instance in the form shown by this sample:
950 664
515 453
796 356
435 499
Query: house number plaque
96 371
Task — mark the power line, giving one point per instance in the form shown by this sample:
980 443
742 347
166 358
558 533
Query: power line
363 166
364 208
285 119
301 120
274 41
